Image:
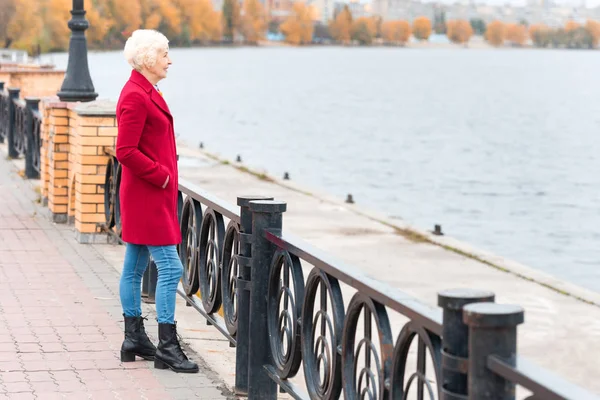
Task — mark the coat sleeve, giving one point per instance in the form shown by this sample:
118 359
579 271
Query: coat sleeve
132 118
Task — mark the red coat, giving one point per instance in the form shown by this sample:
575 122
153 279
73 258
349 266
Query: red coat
147 152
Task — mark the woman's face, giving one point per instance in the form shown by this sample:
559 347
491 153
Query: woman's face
159 70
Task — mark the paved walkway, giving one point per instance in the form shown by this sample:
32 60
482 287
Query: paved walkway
60 319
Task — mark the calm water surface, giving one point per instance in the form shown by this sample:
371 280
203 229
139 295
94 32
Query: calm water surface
501 147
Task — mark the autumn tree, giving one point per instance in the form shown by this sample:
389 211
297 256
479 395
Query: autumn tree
298 27
26 24
254 21
397 32
7 11
101 23
541 35
516 34
459 31
341 26
231 19
422 28
126 19
571 26
56 32
200 22
162 15
593 27
363 30
495 33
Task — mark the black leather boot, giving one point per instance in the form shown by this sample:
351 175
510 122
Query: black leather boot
169 353
136 341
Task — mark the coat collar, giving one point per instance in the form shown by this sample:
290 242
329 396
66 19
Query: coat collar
141 81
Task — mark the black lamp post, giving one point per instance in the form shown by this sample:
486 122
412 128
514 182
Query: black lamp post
77 85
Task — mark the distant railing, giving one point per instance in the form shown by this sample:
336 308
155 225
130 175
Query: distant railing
247 277
20 124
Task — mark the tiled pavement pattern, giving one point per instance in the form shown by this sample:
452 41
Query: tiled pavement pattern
60 318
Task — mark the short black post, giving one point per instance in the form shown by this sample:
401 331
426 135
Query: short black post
492 331
266 215
77 85
32 146
2 128
243 294
149 283
455 339
13 94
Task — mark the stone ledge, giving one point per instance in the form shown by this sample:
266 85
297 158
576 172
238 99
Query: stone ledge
96 108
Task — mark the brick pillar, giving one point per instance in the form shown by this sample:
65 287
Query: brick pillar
55 155
94 129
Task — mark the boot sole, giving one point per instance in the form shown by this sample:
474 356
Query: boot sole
130 357
158 364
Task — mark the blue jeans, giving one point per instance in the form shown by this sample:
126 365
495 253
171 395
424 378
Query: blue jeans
169 273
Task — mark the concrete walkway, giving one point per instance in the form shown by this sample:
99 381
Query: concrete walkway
60 318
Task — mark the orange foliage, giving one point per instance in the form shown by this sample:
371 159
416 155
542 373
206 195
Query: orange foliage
298 27
203 22
254 21
593 27
56 17
495 33
421 28
571 26
25 27
459 31
100 20
364 30
516 34
127 19
341 27
396 31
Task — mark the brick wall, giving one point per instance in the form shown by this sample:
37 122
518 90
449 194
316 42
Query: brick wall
33 83
73 158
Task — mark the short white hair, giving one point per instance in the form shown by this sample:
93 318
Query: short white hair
141 49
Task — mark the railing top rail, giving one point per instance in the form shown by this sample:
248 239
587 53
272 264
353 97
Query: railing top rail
429 317
544 384
217 204
195 192
19 103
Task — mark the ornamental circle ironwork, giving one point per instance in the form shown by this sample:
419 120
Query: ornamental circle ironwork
286 293
372 381
211 241
231 248
427 341
322 336
191 219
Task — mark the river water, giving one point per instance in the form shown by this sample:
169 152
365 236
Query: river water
500 147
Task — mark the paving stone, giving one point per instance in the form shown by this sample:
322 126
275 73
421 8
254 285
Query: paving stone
61 324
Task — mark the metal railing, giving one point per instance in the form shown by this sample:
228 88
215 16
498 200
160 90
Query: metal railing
20 127
247 277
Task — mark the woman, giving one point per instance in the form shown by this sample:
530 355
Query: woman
148 197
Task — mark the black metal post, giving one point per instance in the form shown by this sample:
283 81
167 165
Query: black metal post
492 331
77 85
265 215
2 128
243 294
31 147
149 280
455 339
13 94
